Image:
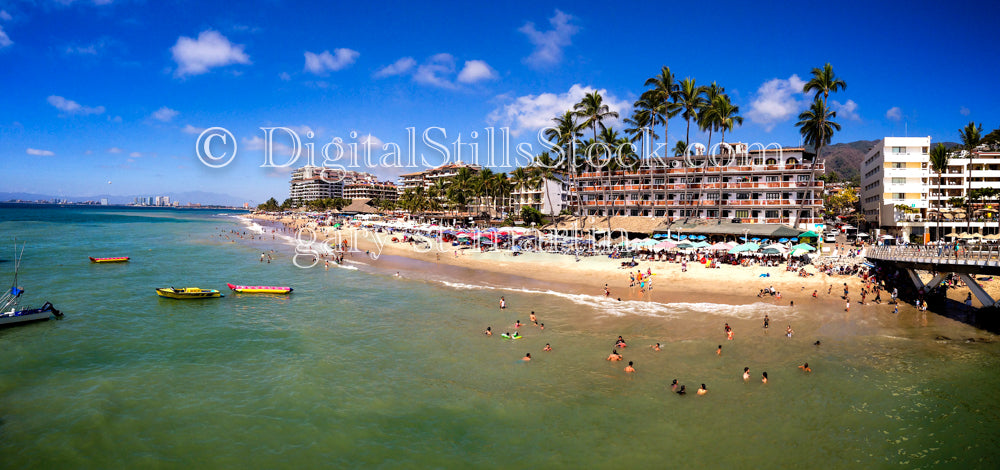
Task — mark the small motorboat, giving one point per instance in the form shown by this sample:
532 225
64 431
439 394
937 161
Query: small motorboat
187 293
260 289
11 313
115 259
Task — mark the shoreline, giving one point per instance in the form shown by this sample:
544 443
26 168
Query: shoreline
729 284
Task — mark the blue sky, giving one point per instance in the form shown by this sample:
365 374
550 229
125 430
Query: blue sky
119 90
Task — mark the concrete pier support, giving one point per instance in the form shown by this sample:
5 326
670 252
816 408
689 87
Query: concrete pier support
916 279
937 280
978 291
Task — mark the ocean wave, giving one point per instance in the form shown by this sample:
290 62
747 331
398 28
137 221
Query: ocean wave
621 308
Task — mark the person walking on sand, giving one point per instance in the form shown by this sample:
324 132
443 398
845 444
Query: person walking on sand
847 307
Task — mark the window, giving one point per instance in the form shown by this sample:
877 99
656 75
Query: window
712 196
898 150
774 195
771 214
898 165
803 178
923 150
742 213
772 179
742 196
899 195
899 181
712 179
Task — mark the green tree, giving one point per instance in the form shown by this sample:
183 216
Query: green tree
691 101
727 115
662 101
939 164
287 204
271 205
530 215
971 136
546 169
565 134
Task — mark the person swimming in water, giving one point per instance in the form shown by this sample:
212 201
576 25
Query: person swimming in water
703 390
764 378
614 356
673 385
488 332
805 367
682 391
817 343
533 318
746 374
527 357
620 343
656 347
788 331
503 303
547 347
718 352
517 323
767 321
629 367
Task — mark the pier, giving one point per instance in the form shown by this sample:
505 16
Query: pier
966 262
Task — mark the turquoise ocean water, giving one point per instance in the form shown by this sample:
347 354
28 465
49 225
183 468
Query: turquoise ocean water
359 368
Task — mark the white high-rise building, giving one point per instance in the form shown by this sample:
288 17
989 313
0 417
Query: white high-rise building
896 173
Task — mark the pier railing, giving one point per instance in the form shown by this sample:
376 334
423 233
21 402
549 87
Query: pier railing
981 255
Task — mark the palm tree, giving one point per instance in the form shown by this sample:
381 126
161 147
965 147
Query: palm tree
662 100
728 116
690 98
816 126
939 164
565 133
824 81
707 120
971 136
679 148
593 111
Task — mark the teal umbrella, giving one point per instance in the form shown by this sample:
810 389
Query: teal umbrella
804 246
744 248
809 234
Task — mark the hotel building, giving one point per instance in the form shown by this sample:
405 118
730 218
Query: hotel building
760 185
310 183
896 172
550 197
426 178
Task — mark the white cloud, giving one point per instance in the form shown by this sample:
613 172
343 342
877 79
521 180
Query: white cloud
279 149
533 112
284 76
5 16
135 154
72 107
114 150
324 61
964 111
398 67
4 39
894 113
776 101
40 153
189 129
165 114
436 70
474 71
211 49
848 110
549 44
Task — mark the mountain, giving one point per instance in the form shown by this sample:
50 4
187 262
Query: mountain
845 159
197 197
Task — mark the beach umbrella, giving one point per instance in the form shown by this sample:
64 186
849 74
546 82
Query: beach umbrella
685 245
721 247
804 246
782 240
683 237
667 245
771 251
793 239
702 244
809 234
780 248
701 237
746 247
755 239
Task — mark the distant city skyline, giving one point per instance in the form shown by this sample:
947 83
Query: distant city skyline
109 97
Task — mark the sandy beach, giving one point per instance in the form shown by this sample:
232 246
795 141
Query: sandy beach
727 284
